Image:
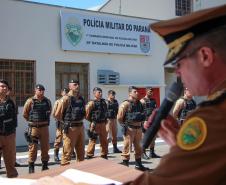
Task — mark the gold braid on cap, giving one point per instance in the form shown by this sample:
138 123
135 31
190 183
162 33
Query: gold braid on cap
178 44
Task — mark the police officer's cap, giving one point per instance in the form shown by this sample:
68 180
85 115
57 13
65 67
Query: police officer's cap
178 32
97 89
4 82
111 92
40 87
74 81
131 88
66 90
149 88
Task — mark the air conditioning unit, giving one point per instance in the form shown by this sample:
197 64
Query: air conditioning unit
107 77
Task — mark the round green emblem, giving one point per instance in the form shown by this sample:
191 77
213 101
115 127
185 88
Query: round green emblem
192 134
73 31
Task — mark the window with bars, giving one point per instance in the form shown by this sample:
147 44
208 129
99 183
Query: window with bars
183 7
20 75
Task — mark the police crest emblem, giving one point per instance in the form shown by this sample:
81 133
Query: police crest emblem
73 31
145 43
192 134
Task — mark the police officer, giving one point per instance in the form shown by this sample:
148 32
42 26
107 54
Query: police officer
96 114
149 104
130 116
37 110
59 127
71 112
8 124
111 126
184 106
197 52
10 94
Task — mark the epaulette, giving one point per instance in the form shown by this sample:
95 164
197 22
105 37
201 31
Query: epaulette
216 101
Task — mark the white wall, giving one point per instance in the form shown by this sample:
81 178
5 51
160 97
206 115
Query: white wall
31 31
153 9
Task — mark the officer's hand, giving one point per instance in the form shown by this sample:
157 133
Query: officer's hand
148 123
168 130
92 126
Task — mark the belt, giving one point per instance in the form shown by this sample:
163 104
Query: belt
76 124
134 127
37 125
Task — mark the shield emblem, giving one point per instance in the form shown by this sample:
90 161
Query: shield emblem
145 43
73 33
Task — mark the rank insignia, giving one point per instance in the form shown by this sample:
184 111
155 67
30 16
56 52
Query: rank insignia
192 134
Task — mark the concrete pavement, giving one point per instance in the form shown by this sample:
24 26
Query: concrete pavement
161 149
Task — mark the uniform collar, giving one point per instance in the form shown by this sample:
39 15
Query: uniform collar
217 91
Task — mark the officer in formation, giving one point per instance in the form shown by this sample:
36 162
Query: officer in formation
59 127
197 52
37 110
96 114
71 112
8 124
112 111
149 104
9 95
131 116
184 106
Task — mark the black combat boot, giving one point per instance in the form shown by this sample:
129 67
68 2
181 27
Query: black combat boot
31 168
56 155
17 164
115 149
73 155
125 163
44 165
153 154
104 157
144 155
139 165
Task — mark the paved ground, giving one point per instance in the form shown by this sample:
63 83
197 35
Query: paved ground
161 149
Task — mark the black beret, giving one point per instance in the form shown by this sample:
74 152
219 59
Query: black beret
178 32
97 89
74 81
149 88
40 86
111 92
4 82
131 88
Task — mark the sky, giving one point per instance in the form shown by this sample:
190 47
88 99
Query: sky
82 4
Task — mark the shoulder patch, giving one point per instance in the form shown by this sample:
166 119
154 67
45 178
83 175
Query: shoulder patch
192 134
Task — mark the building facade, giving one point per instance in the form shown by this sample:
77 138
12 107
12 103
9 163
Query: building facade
110 48
31 52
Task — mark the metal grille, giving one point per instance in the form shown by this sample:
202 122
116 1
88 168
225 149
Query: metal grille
108 77
183 7
20 75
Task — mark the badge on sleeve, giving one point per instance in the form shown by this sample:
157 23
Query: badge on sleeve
192 134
